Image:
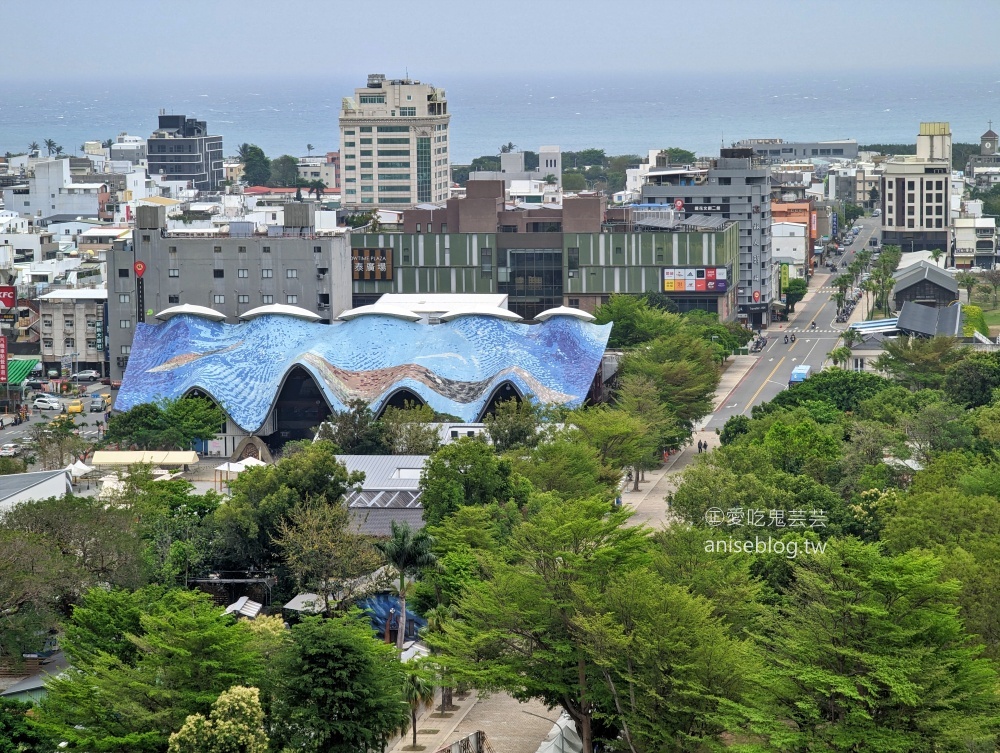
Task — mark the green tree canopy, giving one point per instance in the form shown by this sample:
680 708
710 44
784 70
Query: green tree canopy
284 171
256 165
172 424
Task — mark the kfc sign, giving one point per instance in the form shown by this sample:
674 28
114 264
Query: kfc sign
8 296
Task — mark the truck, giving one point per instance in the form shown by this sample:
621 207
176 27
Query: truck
799 374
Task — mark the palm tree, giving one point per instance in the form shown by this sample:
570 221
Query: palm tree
839 356
317 187
50 146
409 553
550 179
418 693
107 143
507 148
968 281
936 254
309 149
58 150
243 152
32 147
851 337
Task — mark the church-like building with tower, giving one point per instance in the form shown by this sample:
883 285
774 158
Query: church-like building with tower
983 169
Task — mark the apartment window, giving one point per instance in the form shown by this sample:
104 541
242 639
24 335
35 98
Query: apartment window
243 249
393 140
266 249
46 322
349 144
366 176
217 249
125 324
364 129
68 323
91 344
350 168
122 298
266 273
574 303
367 152
126 350
573 258
91 324
69 343
444 227
218 274
317 249
408 112
174 273
486 262
393 152
366 141
173 299
123 272
418 227
366 165
909 185
218 299
291 273
47 342
267 299
243 273
350 132
291 299
172 249
243 299
145 237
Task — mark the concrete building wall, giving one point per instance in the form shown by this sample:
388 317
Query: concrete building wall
394 145
229 274
777 150
69 328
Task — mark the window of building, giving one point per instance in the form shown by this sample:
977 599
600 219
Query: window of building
172 249
350 132
291 273
126 350
408 112
266 249
350 168
125 324
242 273
122 298
364 129
393 140
145 236
393 176
68 322
909 185
573 259
91 344
266 273
218 274
317 249
366 141
242 249
291 299
173 299
366 165
349 144
123 272
486 262
383 165
173 273
366 152
218 299
371 99
243 298
366 176
47 342
69 343
217 249
393 152
267 299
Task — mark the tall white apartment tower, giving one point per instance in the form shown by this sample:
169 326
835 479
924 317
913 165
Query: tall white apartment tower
394 145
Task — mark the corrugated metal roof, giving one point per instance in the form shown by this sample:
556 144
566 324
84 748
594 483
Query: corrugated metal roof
386 472
378 521
384 498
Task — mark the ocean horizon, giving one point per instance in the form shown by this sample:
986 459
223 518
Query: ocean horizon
621 114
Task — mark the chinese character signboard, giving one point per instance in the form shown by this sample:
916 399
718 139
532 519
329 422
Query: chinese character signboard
371 263
3 359
696 280
784 277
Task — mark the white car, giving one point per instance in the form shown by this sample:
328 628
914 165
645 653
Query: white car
88 375
9 451
46 403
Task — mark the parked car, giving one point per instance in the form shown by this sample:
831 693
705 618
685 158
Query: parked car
74 406
9 451
98 404
34 384
46 402
88 375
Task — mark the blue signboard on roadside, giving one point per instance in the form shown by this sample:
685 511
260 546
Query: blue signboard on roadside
833 225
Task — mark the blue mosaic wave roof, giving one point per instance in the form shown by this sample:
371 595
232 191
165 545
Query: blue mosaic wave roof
454 367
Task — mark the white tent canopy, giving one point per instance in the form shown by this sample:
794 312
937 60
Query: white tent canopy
379 310
79 468
192 310
282 309
564 311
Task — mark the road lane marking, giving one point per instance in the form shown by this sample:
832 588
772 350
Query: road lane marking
750 402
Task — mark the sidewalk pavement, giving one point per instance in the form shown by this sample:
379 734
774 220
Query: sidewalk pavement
510 726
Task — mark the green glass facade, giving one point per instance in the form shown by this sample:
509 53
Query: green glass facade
423 168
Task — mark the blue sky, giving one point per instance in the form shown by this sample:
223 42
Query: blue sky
240 38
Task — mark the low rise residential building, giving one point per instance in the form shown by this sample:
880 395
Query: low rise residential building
983 169
975 242
790 245
72 329
319 168
778 150
51 191
513 168
127 148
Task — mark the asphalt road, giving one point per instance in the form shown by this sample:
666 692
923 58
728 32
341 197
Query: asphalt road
86 421
773 369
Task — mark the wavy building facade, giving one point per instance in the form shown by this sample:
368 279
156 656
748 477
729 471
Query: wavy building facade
278 377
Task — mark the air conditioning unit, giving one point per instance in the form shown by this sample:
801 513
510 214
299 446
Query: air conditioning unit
322 306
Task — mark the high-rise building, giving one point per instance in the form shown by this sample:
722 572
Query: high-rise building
181 149
394 145
737 186
916 193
